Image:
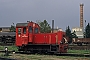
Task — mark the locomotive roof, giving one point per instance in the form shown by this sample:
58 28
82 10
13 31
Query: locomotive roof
21 24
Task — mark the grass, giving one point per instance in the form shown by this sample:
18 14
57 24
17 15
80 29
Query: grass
79 51
10 48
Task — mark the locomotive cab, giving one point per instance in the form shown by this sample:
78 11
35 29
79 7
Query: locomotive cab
21 34
24 33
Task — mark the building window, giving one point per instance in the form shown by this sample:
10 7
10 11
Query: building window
0 29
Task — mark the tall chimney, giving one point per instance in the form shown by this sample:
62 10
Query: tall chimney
81 15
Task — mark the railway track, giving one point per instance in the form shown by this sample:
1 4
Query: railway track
6 44
6 58
58 54
76 47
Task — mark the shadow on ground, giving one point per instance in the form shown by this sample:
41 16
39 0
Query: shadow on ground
6 59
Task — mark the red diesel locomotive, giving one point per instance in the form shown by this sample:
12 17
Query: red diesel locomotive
29 38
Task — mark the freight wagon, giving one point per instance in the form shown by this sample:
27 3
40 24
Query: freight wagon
7 37
80 41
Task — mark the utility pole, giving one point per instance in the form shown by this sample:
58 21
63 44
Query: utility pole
85 29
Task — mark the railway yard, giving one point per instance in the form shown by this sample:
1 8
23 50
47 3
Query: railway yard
73 54
40 40
75 51
29 44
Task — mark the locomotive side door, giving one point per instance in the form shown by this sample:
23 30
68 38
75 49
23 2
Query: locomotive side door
24 36
18 36
30 30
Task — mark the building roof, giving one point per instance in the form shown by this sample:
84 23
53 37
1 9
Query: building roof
5 27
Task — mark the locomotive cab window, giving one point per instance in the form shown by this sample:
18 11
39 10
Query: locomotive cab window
24 30
30 29
19 30
36 30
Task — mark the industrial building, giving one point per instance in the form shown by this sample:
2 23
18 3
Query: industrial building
80 30
4 29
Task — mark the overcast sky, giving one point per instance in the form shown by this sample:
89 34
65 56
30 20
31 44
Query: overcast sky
63 12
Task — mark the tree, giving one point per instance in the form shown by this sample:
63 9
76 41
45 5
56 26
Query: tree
12 28
69 34
44 27
87 31
68 31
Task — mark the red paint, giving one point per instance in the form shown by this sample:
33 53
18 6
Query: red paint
39 38
18 39
33 36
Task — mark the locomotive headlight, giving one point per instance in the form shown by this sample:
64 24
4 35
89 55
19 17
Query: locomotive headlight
18 35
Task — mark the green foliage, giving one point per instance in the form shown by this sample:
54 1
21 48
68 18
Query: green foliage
10 48
70 35
79 51
87 31
12 28
44 27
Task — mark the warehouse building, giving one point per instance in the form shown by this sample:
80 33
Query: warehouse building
78 31
4 29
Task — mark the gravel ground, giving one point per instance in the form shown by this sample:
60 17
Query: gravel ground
41 57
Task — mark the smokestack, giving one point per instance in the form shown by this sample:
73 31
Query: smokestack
52 25
81 15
